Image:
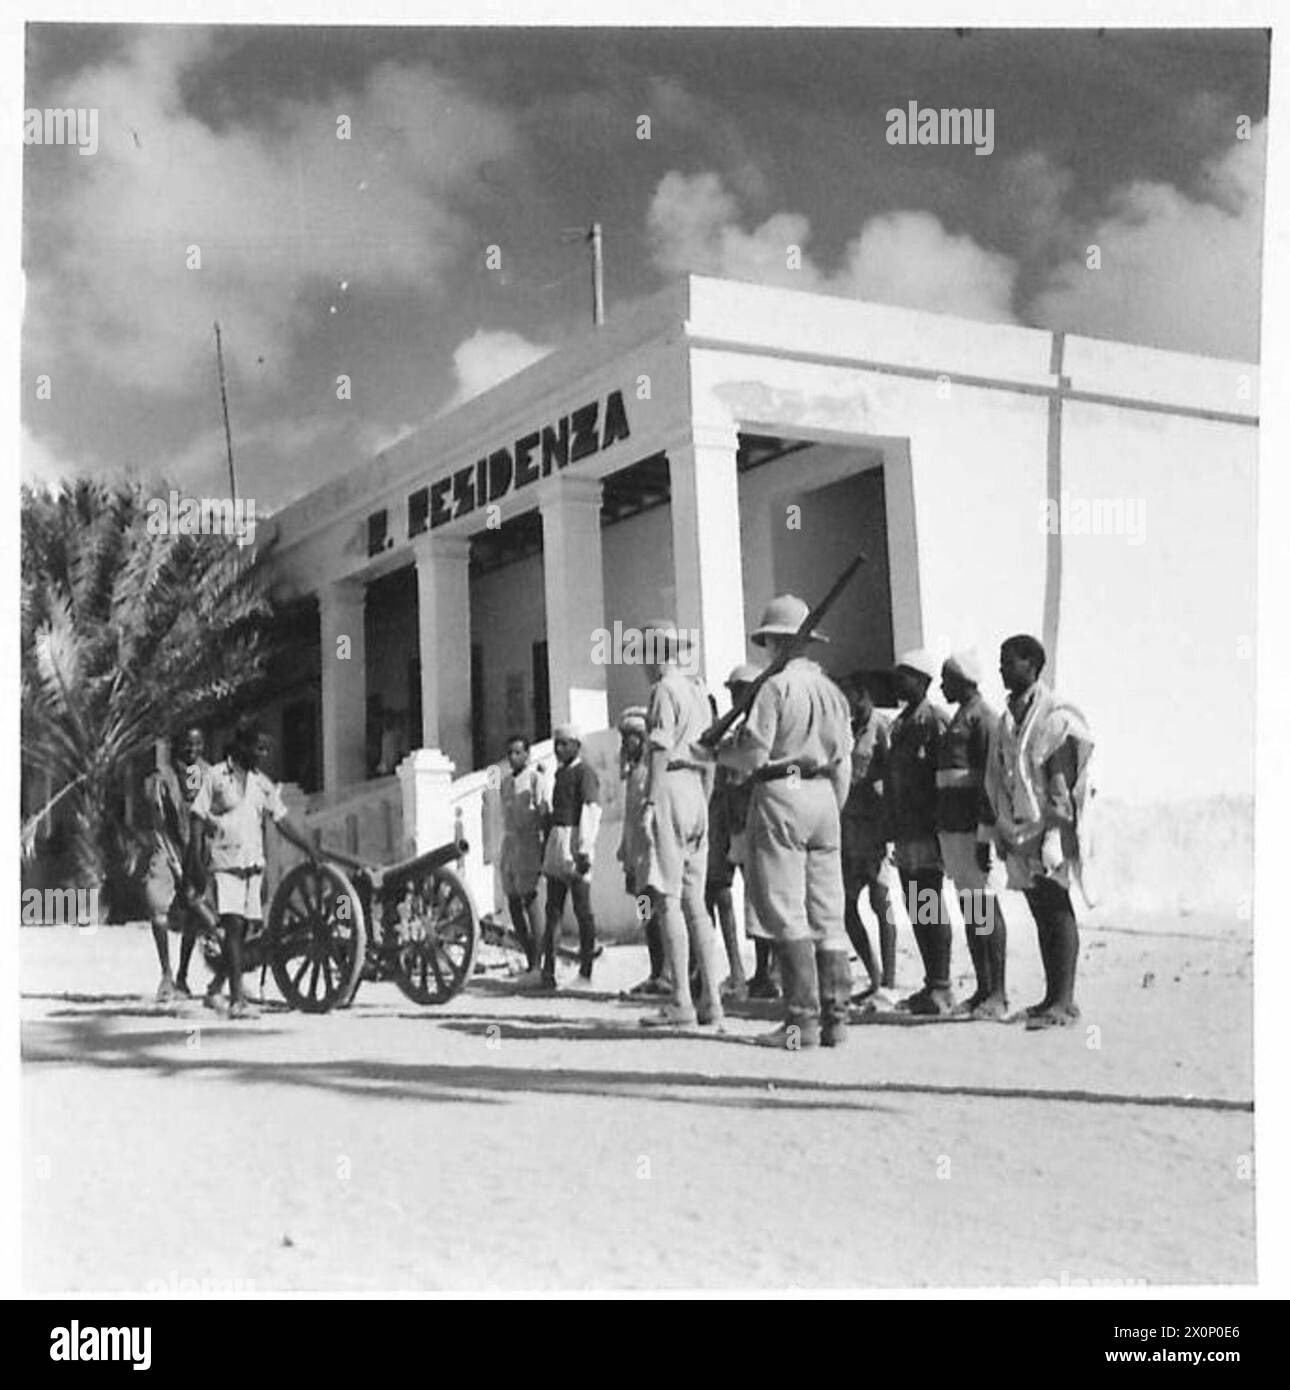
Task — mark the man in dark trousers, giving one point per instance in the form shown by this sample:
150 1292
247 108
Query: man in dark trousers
796 743
865 844
633 850
570 850
1039 793
960 789
910 789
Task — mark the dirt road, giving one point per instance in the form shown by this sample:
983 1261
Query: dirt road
508 1142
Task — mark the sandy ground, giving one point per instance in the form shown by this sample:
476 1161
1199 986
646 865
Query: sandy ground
510 1142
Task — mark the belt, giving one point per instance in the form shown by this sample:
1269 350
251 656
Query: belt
248 872
777 772
958 777
680 766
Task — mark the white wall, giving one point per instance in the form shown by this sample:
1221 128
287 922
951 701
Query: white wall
1157 637
1154 639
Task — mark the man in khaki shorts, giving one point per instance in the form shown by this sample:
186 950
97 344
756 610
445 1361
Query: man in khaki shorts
797 744
675 811
231 808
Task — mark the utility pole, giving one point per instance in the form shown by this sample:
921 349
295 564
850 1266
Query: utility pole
223 396
592 236
597 275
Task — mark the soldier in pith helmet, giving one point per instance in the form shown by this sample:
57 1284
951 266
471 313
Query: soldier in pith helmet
796 743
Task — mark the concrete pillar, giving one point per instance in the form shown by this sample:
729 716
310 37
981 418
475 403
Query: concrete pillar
425 777
443 621
706 550
575 600
344 685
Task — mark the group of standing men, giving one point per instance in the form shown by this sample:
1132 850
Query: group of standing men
205 824
818 800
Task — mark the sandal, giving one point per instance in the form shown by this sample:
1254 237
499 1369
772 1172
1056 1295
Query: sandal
1050 1018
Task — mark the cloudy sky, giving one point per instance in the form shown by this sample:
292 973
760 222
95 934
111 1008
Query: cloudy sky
367 256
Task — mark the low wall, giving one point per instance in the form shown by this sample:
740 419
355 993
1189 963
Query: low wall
1177 858
1166 860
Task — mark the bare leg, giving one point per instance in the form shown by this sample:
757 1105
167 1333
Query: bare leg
161 940
721 904
676 948
186 944
703 947
535 929
234 933
516 905
654 943
859 937
881 901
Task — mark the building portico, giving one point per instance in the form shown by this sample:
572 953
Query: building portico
729 441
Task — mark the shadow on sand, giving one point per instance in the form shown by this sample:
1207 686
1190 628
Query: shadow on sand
92 1039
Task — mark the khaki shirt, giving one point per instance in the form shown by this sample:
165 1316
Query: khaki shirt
678 714
801 717
234 803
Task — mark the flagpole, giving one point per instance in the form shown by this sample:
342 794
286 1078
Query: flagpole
223 396
597 275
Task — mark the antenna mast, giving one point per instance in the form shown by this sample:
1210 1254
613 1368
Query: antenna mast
223 396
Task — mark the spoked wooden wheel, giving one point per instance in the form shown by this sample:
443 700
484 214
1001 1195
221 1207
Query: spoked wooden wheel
431 922
317 938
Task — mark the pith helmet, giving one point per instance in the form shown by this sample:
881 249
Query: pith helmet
665 630
922 661
783 617
743 674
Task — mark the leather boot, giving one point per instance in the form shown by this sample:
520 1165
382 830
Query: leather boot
835 995
801 1025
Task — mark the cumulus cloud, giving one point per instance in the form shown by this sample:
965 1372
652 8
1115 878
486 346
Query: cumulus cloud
282 212
908 258
42 463
490 356
1177 271
902 258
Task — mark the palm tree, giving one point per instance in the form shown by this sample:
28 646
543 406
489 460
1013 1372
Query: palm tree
124 633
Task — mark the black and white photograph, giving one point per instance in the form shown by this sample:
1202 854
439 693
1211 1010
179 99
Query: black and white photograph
640 665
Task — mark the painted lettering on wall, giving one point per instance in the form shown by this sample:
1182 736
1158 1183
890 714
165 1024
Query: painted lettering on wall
571 438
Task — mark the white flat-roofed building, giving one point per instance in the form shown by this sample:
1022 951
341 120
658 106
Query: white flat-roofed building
723 442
